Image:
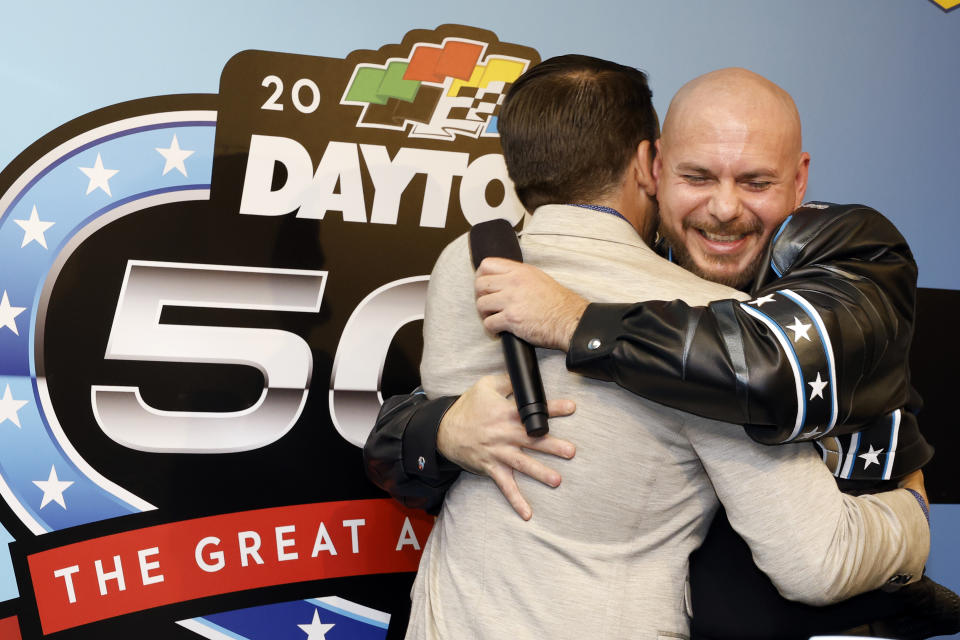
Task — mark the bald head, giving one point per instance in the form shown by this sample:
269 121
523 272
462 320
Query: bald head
730 170
734 98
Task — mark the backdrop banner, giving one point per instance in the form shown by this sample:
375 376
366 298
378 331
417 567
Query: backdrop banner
204 298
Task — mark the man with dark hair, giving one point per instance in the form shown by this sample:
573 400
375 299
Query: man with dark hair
608 550
556 156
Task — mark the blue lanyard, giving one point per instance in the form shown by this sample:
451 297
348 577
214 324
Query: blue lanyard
596 207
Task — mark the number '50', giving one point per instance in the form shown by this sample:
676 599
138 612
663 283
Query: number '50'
284 358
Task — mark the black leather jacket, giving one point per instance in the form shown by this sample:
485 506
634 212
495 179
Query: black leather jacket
820 352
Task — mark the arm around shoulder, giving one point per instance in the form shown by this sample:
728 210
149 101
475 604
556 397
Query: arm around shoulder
835 297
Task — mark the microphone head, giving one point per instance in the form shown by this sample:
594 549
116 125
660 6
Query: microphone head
494 239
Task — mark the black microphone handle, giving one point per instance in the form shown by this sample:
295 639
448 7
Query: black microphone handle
524 373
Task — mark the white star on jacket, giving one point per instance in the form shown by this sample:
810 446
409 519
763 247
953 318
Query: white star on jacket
762 301
799 329
99 176
818 387
53 488
871 457
33 229
8 313
9 407
316 630
174 157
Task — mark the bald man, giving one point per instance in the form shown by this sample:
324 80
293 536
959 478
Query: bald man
730 169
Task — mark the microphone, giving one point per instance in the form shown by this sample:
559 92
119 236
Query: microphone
497 239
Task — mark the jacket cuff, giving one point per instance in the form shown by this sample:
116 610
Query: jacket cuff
595 339
420 456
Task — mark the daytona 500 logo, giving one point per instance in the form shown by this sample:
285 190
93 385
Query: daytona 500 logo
202 299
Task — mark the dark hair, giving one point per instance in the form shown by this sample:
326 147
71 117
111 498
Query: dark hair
569 126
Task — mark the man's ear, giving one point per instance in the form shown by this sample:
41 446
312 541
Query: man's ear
657 169
643 168
803 172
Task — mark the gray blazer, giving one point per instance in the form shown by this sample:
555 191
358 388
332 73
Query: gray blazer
605 554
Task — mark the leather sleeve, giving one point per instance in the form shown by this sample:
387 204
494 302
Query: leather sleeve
400 454
820 349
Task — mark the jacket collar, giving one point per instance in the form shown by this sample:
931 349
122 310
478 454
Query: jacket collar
567 220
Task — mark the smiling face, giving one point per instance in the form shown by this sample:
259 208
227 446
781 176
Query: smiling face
729 172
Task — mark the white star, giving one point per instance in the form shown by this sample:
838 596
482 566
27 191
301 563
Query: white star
818 386
762 301
870 457
8 313
174 156
99 177
799 329
9 408
33 229
316 630
53 488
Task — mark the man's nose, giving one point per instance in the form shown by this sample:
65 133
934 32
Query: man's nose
725 202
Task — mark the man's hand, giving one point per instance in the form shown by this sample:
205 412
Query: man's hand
482 433
521 299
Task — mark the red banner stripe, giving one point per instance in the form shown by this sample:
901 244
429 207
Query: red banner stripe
135 570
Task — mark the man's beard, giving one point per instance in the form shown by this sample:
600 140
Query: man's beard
739 280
